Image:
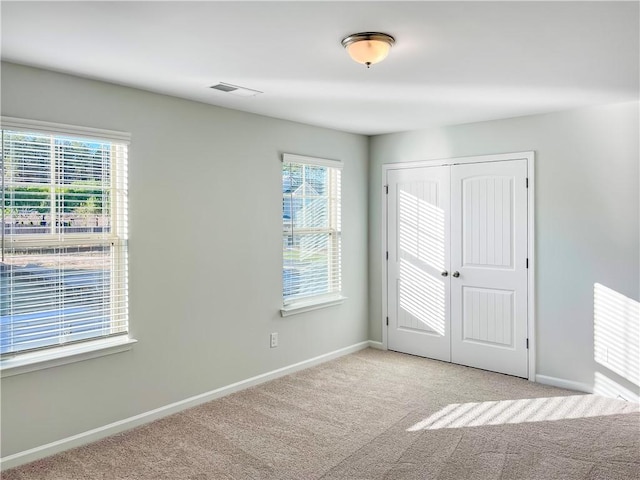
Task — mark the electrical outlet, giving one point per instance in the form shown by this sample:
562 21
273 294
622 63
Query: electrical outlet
274 340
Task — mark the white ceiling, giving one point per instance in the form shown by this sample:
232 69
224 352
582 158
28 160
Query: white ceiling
454 62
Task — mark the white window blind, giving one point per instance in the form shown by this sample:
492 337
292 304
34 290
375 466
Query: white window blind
311 229
64 237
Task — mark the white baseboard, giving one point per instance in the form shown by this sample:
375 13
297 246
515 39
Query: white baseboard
563 383
376 345
613 389
83 438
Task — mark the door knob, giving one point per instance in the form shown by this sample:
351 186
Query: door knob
444 273
456 274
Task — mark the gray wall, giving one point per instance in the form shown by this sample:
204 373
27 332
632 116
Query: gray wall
205 255
587 216
205 296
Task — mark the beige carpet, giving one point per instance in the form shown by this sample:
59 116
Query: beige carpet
373 415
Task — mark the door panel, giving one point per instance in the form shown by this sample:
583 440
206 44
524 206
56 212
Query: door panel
418 243
488 317
487 221
489 250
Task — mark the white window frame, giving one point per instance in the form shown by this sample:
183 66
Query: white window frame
47 357
305 304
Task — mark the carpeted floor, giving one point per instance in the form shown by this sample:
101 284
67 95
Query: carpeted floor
373 415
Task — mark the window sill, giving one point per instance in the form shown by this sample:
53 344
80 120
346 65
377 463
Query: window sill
302 307
54 357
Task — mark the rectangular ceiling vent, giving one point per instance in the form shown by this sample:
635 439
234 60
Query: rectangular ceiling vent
235 90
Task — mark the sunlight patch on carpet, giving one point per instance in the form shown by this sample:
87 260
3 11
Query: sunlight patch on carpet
458 415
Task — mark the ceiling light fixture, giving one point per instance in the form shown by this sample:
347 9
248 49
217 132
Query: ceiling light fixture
368 47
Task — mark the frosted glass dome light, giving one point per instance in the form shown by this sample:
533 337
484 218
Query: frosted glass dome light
368 48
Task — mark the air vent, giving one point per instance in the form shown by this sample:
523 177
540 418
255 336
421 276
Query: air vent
235 90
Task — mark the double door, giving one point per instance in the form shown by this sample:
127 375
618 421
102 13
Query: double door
457 264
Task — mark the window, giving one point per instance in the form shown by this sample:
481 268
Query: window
64 236
311 231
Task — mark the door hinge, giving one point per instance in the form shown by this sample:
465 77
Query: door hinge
527 344
387 321
386 189
527 263
527 182
387 255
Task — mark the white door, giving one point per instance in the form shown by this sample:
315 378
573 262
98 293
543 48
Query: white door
456 269
488 265
418 255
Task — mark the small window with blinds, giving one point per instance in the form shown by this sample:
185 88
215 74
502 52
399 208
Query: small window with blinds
311 230
63 267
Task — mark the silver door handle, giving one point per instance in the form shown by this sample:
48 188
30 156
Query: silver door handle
456 274
444 273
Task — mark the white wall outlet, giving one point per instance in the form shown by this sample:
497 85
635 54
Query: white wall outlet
274 340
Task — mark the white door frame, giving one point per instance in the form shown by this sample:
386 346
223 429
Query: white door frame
530 158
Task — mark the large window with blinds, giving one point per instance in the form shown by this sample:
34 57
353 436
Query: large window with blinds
311 229
64 236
